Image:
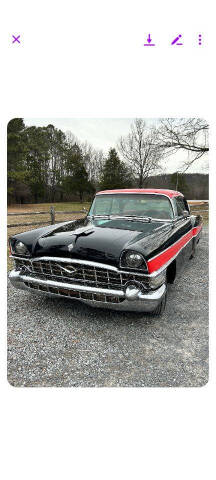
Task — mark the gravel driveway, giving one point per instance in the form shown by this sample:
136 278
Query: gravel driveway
57 342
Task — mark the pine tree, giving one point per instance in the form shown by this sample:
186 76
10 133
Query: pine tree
76 176
115 173
16 155
37 160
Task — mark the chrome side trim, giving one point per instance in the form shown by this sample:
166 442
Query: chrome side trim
171 259
157 272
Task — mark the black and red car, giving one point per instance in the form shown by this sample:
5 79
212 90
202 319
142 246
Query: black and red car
122 255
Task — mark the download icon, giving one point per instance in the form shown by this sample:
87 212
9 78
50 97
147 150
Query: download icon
149 40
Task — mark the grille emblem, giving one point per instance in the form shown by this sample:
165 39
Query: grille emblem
69 269
70 247
25 268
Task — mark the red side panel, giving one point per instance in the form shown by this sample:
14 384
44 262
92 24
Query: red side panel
162 258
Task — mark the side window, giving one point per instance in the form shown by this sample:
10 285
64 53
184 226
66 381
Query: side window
180 205
186 205
175 207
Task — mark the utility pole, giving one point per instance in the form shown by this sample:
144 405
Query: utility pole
177 173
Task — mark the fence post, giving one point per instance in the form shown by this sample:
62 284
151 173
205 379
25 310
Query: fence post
52 215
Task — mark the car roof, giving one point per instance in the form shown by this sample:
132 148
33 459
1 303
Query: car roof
168 193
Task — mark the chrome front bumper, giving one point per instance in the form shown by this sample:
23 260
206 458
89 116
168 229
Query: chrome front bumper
144 302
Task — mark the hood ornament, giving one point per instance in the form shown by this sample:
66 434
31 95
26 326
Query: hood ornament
79 233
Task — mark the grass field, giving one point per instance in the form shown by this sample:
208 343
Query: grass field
202 210
63 207
42 207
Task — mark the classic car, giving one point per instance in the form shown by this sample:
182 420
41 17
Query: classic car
122 255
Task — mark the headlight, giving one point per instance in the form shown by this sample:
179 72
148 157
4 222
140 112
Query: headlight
134 260
21 249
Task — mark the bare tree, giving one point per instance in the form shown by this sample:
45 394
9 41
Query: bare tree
94 160
189 134
140 149
71 138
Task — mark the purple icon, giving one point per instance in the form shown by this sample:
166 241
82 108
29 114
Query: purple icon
200 39
176 41
16 39
149 40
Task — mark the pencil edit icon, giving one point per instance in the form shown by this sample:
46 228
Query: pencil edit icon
176 41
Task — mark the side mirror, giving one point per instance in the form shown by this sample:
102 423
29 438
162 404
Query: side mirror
185 214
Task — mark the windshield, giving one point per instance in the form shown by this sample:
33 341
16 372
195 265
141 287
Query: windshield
139 205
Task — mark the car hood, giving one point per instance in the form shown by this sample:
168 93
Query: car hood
101 240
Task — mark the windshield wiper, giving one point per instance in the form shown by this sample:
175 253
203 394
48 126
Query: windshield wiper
98 216
130 218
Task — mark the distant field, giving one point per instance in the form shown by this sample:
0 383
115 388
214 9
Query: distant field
42 207
61 207
201 209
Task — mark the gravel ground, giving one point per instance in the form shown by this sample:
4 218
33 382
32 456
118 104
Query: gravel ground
57 342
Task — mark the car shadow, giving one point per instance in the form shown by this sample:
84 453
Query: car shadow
74 309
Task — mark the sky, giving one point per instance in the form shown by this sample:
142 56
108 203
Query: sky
104 133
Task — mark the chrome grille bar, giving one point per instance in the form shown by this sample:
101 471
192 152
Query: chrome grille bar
89 274
75 294
79 288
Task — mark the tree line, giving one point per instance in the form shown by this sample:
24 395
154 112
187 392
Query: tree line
46 164
195 186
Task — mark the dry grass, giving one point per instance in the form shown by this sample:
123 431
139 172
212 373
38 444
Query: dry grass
201 209
42 207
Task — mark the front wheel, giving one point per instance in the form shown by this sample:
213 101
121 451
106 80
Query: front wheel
193 250
161 307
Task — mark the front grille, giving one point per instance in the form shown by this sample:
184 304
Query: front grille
80 274
66 292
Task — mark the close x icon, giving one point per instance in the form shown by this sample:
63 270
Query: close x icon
16 39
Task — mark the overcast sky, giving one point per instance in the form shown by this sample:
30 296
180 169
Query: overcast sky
103 133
